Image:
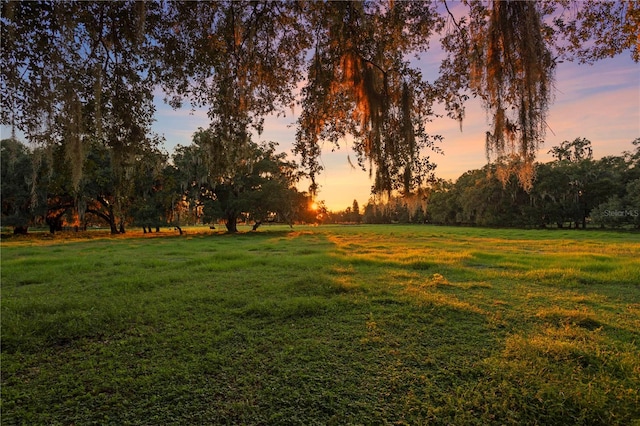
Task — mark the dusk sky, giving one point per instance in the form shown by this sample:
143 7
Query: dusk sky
599 102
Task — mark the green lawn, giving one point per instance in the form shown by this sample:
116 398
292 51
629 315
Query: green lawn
325 325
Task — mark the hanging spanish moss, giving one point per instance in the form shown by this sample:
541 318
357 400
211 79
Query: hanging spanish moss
361 85
513 70
74 149
97 93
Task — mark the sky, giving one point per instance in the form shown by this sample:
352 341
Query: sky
599 102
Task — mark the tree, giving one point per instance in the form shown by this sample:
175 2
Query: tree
84 74
192 179
55 182
573 152
511 69
240 59
611 213
621 190
84 83
506 52
97 195
587 183
632 202
442 204
16 185
262 185
355 212
149 187
361 84
255 184
548 197
418 215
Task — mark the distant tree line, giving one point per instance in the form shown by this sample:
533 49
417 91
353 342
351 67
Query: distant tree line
573 190
152 189
349 215
399 209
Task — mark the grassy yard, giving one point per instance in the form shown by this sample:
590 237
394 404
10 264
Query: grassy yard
326 325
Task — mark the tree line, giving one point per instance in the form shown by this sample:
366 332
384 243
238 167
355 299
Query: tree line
155 190
573 190
78 80
159 190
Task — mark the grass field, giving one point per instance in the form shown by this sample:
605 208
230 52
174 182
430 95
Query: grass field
326 325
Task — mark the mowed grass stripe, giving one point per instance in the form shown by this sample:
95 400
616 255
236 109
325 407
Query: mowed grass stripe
327 325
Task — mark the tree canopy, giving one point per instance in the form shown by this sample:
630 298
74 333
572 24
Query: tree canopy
76 72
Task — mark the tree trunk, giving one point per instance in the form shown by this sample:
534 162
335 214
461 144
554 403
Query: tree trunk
55 222
231 224
108 217
144 229
20 230
157 229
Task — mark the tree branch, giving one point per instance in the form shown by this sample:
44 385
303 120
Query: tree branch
453 18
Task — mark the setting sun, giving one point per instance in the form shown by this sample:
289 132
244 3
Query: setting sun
313 206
